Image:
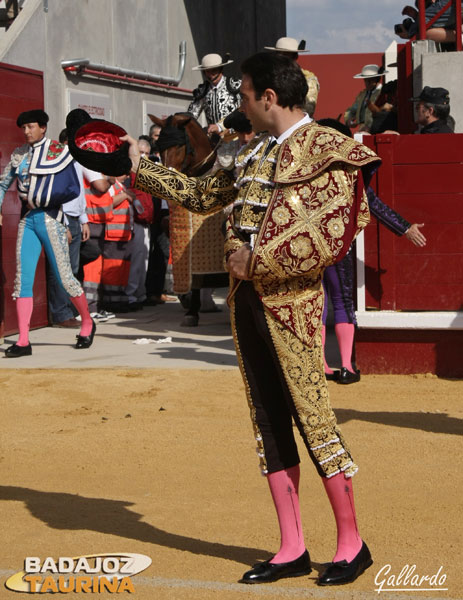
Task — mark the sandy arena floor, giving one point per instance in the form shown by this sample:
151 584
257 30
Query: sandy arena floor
162 463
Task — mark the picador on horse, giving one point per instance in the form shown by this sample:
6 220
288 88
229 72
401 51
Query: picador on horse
196 241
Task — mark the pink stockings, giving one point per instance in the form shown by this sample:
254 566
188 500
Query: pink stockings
80 302
24 308
339 490
345 336
284 487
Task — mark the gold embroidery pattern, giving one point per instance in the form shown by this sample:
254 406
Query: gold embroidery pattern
300 311
256 187
59 242
252 410
232 242
312 149
202 195
303 371
292 252
19 241
196 246
311 232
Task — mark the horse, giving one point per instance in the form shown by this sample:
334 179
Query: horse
184 145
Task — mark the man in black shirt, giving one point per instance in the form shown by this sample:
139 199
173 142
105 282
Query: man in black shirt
432 110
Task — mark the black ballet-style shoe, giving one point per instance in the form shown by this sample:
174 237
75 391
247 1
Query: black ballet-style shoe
16 351
346 376
334 376
266 571
85 341
342 572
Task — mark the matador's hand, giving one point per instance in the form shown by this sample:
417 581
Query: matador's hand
238 262
134 153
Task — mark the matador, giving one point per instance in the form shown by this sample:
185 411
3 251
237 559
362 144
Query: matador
298 201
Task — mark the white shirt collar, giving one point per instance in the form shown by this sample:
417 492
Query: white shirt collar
304 121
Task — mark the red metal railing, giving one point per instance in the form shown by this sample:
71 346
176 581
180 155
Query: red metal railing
423 26
125 79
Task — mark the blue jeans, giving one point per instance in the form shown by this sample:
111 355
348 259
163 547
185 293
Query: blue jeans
61 307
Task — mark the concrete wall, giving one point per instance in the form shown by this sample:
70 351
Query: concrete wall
440 69
136 35
143 36
445 70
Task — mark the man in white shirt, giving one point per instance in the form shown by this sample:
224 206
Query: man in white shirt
62 311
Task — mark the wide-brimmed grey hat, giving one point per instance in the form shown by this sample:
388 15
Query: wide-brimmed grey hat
370 71
287 44
211 61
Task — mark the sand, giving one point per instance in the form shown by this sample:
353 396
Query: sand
162 463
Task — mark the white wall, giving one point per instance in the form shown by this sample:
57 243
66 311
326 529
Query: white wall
142 35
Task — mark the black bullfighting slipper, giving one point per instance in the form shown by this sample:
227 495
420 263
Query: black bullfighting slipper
346 376
266 571
16 351
342 572
334 376
85 341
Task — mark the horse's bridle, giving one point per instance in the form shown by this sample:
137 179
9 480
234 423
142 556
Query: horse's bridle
207 158
174 136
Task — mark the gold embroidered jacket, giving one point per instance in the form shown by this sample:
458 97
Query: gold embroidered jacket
316 208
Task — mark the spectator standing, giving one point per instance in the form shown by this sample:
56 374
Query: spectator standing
139 244
106 277
159 235
153 137
62 310
98 204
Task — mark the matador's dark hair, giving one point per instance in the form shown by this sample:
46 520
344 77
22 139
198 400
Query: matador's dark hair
269 70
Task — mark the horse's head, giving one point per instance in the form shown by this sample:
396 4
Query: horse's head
183 144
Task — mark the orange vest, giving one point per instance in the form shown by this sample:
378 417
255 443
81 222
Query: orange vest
99 208
118 225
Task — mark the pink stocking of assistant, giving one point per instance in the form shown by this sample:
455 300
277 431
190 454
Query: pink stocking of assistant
284 486
24 308
80 302
327 368
345 336
339 490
